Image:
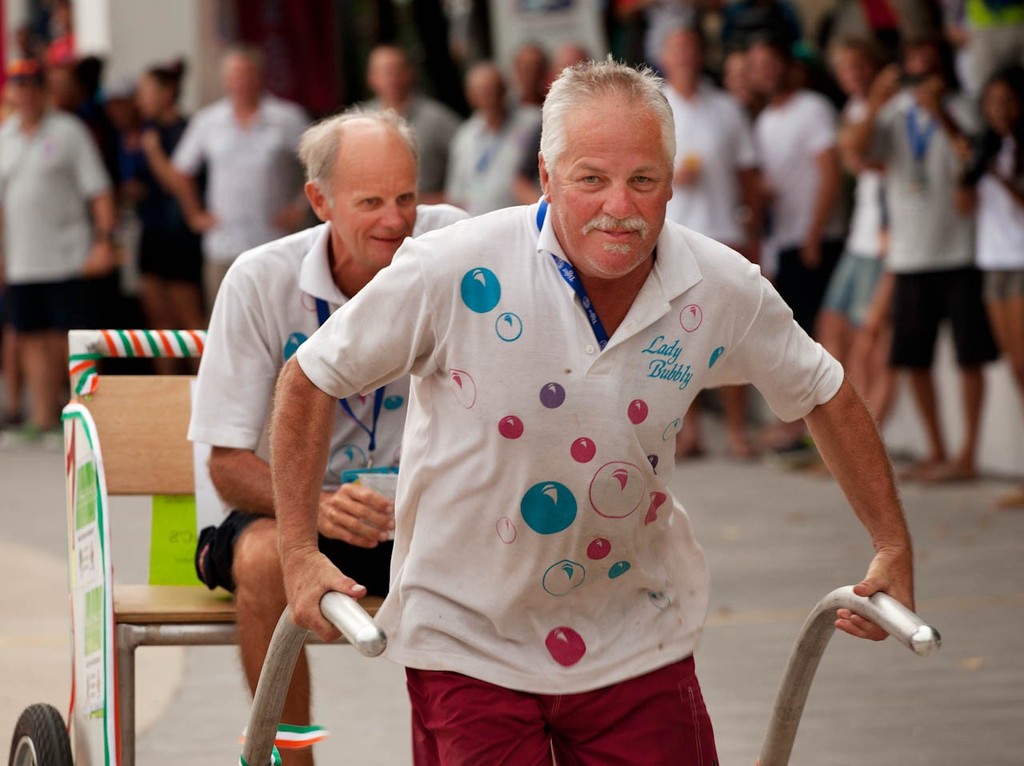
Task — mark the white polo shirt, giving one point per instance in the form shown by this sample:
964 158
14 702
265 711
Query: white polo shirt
482 165
46 182
713 128
266 309
252 172
537 545
789 137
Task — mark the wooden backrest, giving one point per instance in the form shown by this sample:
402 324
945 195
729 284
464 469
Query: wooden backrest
143 424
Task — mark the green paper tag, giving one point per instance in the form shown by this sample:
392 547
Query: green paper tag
172 546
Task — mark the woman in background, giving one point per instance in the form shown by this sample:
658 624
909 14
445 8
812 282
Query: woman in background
170 256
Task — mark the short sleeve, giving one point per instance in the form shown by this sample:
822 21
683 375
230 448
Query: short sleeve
90 174
238 348
820 126
791 371
387 330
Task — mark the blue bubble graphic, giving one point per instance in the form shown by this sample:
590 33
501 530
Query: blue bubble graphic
618 569
481 290
291 345
548 507
509 326
714 356
393 402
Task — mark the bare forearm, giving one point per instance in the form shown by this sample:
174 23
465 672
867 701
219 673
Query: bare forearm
242 480
104 215
848 440
828 191
299 437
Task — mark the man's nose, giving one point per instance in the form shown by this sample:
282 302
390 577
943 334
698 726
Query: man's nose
619 201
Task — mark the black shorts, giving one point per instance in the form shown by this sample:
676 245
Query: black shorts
922 301
40 306
215 553
803 289
171 254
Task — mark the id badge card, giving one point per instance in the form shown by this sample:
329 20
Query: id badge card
383 481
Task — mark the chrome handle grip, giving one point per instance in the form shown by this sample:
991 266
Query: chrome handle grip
354 623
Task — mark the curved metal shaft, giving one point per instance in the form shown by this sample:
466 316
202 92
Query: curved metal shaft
901 623
355 625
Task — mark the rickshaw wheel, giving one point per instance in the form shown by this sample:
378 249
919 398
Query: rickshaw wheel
40 738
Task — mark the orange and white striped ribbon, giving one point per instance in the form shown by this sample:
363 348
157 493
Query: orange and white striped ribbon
85 347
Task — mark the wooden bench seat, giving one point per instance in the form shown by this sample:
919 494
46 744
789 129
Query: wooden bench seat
183 604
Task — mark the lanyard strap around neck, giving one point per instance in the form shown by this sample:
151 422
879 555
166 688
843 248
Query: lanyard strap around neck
322 313
572 279
919 137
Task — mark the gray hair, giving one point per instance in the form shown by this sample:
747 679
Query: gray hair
593 80
319 145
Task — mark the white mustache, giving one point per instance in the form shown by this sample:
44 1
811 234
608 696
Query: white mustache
608 223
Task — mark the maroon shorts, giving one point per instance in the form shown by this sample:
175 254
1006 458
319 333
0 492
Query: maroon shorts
658 719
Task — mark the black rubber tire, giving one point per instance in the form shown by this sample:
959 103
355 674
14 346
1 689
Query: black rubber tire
40 730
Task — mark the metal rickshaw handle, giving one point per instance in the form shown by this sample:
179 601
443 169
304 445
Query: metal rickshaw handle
355 625
883 610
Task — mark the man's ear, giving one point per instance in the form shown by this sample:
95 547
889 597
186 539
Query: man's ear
545 177
317 200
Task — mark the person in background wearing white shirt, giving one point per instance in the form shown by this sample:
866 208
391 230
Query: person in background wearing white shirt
488 148
247 142
795 136
920 133
715 190
547 590
362 183
58 220
998 179
853 324
796 144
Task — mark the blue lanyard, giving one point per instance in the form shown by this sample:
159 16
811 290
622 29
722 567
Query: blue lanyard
569 275
919 139
322 313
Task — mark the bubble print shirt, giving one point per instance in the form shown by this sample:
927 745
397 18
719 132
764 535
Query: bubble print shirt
537 544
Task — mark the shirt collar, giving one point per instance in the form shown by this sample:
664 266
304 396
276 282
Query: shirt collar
675 266
315 276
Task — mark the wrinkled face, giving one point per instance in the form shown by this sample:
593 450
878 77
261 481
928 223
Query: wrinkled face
610 187
242 79
854 71
681 53
767 70
389 75
1001 107
372 204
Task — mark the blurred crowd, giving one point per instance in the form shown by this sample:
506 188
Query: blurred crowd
873 167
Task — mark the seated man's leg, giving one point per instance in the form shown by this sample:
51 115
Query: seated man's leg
460 721
658 719
259 601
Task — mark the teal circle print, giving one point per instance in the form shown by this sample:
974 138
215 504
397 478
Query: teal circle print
481 290
548 508
291 345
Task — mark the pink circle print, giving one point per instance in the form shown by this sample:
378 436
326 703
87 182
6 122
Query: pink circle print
617 490
690 317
